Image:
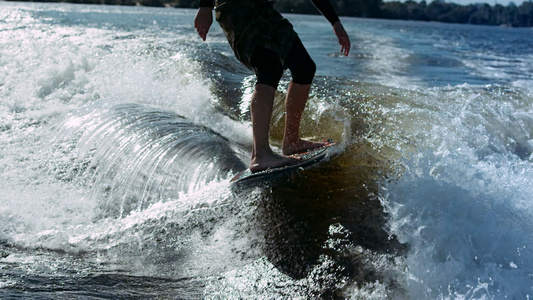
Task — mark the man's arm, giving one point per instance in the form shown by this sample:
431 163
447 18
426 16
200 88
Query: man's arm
324 6
204 18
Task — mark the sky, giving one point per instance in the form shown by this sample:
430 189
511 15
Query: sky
466 2
491 2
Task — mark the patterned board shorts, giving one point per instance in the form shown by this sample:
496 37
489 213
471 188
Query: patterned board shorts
251 23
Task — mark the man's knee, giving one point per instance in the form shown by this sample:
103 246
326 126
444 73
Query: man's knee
304 73
267 66
269 75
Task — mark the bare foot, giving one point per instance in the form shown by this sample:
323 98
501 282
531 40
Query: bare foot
301 146
271 160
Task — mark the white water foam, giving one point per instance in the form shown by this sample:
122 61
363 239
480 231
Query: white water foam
463 202
48 70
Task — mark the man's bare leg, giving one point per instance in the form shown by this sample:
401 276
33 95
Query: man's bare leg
261 110
297 95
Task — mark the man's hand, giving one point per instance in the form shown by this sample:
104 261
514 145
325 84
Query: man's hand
203 21
344 40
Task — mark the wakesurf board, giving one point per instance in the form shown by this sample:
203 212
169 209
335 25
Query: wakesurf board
306 159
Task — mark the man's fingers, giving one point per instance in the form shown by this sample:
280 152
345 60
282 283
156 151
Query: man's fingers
346 47
344 42
203 21
202 31
345 50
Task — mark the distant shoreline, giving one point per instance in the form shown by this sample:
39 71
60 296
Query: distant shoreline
438 10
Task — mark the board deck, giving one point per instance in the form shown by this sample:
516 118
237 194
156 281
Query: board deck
307 159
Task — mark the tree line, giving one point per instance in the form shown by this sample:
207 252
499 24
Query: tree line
438 10
481 14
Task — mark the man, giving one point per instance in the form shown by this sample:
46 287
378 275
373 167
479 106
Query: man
267 44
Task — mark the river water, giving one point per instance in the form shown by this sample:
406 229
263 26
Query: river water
120 130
